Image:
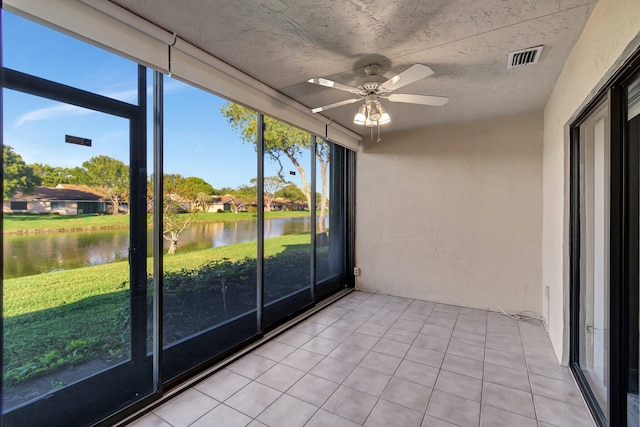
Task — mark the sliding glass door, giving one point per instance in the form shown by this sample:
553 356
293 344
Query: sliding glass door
287 274
74 334
594 186
605 255
632 110
331 217
207 227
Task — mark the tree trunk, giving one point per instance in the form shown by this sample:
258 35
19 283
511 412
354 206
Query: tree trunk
303 177
323 198
116 206
173 246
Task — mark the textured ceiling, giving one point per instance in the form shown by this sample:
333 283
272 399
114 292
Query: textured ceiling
466 43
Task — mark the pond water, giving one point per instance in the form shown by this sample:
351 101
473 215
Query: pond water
29 254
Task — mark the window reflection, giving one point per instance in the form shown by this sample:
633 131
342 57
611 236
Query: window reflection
594 260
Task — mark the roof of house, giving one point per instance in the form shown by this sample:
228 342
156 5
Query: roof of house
61 192
284 201
227 198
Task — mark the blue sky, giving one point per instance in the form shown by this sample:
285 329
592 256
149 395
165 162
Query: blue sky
198 139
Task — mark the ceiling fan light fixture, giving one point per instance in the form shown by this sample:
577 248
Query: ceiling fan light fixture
375 112
384 119
361 117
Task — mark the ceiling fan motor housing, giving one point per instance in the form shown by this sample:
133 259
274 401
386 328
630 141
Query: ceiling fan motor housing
372 81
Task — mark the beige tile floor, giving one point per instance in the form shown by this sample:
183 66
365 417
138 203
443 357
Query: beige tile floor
378 360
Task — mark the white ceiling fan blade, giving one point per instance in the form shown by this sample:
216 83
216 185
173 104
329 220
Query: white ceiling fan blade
334 105
410 75
436 101
330 83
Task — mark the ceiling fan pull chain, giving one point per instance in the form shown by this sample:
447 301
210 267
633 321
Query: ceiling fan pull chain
379 139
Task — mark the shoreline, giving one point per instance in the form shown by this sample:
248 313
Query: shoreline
123 226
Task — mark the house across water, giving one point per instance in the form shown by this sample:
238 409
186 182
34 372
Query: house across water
64 199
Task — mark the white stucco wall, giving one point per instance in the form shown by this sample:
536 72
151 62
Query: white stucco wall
608 38
453 213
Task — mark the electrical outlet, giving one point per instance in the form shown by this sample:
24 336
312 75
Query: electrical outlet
356 271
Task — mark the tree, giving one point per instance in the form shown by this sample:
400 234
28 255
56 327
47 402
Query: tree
197 191
176 215
271 184
280 139
54 175
222 191
17 175
173 224
242 196
291 192
323 154
178 204
111 176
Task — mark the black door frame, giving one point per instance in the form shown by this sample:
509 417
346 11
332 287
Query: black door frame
623 250
112 389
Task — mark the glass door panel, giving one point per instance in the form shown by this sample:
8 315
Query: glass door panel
633 135
68 304
330 218
594 252
209 228
287 229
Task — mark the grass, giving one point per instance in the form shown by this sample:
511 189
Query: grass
53 222
57 319
19 223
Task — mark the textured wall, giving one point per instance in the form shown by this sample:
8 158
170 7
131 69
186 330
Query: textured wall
611 32
453 213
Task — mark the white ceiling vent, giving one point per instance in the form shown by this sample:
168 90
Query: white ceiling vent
524 57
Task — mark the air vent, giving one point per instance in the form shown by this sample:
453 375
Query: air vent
524 57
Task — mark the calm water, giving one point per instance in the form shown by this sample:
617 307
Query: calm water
25 255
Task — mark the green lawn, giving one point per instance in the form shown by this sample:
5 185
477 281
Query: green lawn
56 319
51 222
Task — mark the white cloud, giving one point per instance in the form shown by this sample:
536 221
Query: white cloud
125 95
64 110
50 113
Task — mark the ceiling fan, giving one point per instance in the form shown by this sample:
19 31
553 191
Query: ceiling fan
374 87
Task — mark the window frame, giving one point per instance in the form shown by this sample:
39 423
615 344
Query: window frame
623 245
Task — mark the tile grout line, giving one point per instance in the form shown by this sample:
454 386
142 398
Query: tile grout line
397 367
339 384
389 303
396 370
484 361
282 393
526 362
433 390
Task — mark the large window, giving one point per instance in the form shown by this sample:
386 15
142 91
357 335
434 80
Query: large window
331 217
209 227
173 228
287 261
